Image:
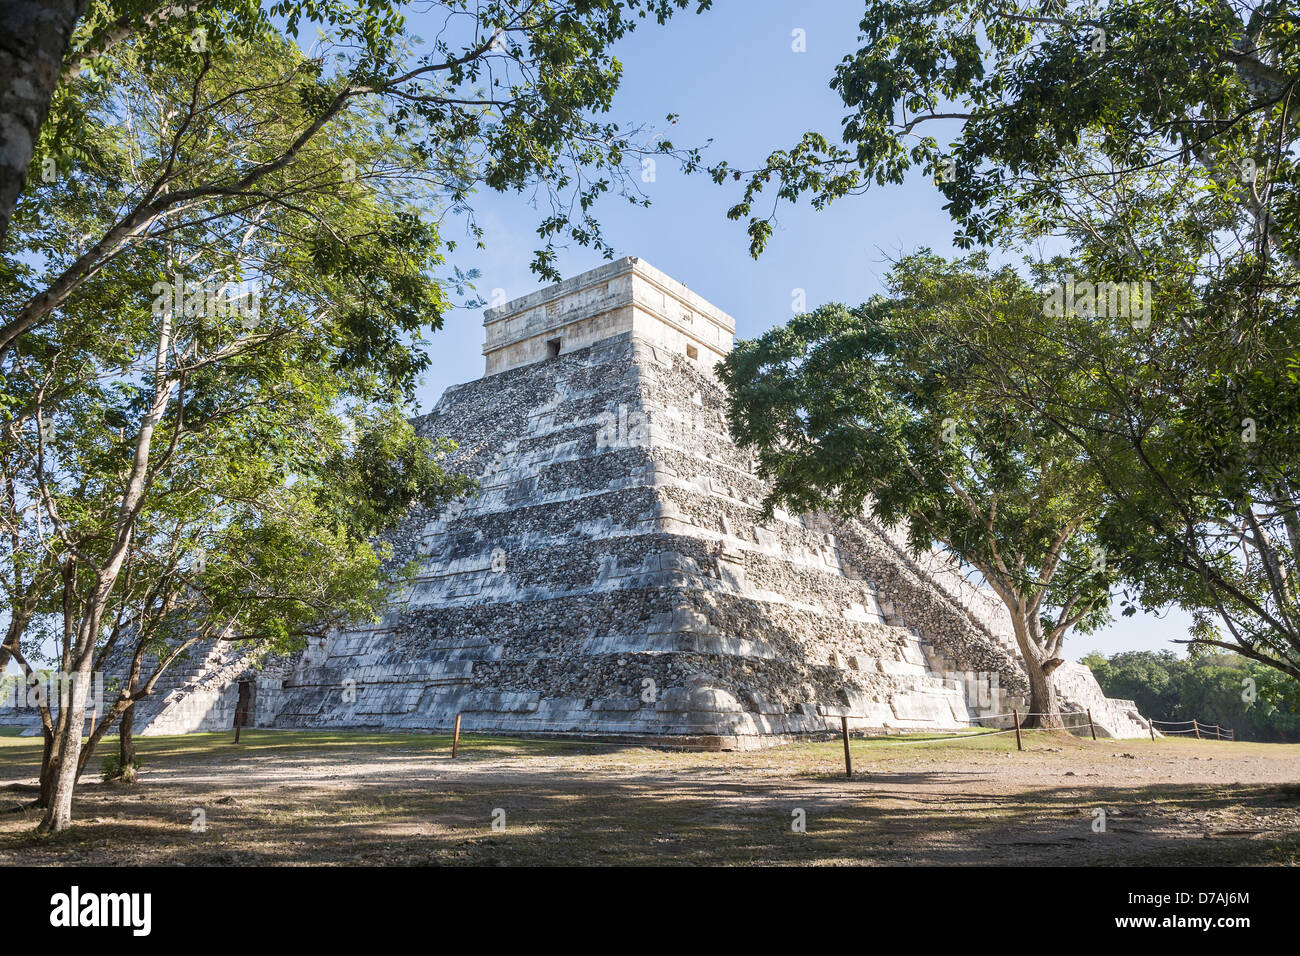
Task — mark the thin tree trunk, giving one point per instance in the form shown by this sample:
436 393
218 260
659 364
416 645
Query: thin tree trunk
36 35
47 725
21 611
79 642
126 747
88 748
18 621
47 768
123 708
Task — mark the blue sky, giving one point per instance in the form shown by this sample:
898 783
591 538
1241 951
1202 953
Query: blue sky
733 77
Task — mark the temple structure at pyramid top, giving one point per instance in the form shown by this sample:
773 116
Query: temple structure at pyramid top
628 295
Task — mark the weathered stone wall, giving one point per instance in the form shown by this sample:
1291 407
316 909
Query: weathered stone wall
201 693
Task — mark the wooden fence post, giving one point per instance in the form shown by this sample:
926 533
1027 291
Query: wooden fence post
1196 727
1151 727
1016 714
1090 724
848 759
455 738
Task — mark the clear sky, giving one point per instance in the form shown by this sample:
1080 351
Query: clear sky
734 77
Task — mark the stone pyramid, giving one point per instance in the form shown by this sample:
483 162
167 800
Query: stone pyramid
614 577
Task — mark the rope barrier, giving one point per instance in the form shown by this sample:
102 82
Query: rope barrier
1217 734
931 740
987 733
1202 731
1085 723
968 720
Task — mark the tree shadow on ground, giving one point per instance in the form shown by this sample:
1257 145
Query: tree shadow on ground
555 817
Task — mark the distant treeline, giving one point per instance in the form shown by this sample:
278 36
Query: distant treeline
1257 702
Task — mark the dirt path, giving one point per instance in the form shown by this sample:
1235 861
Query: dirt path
284 798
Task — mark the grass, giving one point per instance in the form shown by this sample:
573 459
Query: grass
18 754
21 755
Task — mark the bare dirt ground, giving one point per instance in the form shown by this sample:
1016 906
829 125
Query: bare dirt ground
285 797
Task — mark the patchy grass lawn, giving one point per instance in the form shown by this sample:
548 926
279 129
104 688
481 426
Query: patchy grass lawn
288 797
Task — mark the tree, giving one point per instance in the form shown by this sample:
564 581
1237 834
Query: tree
1254 700
881 406
241 557
168 362
239 247
30 61
54 41
1016 85
1190 410
1158 139
1193 424
515 106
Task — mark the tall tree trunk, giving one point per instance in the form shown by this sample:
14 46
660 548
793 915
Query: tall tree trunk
79 658
54 736
1044 708
58 813
34 37
79 640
